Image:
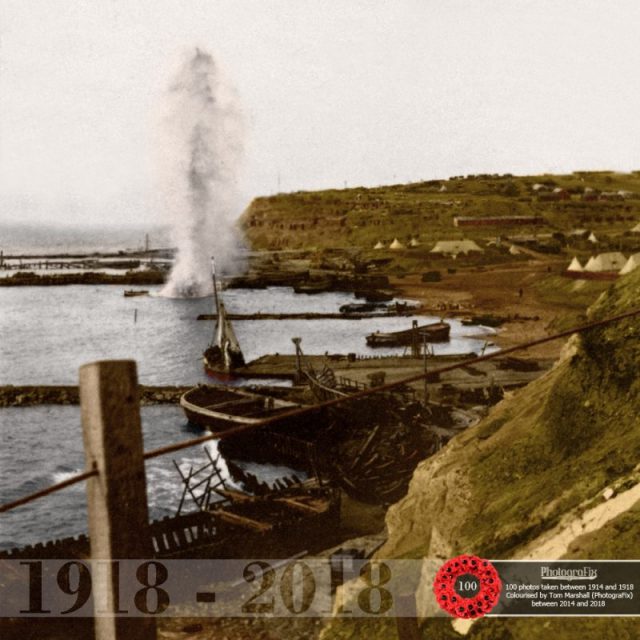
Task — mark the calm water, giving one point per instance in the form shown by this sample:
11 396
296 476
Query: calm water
49 239
48 332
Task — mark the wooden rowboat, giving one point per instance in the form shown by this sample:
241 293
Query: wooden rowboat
219 408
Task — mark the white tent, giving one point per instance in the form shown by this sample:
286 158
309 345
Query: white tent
414 242
636 229
514 251
378 245
575 265
454 247
396 244
540 187
592 238
613 261
632 263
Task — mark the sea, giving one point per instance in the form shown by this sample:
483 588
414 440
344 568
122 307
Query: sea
47 333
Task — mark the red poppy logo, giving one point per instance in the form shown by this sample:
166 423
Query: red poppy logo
467 587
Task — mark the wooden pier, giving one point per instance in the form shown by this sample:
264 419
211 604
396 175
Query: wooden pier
505 372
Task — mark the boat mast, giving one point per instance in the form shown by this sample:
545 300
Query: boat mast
215 287
218 326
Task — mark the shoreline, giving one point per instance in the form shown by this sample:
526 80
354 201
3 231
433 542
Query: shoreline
496 291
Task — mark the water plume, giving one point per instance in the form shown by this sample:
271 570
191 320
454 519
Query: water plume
200 162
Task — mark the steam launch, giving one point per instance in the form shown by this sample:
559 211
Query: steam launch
223 354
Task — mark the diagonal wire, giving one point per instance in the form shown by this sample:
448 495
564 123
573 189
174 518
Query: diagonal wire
154 453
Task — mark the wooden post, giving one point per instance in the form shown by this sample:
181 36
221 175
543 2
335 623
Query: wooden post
406 617
116 497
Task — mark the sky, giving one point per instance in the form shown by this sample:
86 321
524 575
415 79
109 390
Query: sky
332 93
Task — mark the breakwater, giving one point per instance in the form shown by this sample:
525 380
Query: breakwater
30 279
32 395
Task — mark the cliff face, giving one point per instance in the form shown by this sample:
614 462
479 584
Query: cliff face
554 445
552 471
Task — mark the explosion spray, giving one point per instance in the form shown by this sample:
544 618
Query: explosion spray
200 170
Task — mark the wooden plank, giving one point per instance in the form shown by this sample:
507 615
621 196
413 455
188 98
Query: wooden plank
305 507
242 521
235 496
117 496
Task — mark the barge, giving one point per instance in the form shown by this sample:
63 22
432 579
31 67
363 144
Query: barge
434 332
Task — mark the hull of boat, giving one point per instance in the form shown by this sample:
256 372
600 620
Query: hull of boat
221 409
437 332
218 373
215 366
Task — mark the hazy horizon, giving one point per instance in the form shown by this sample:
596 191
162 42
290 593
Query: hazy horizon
359 94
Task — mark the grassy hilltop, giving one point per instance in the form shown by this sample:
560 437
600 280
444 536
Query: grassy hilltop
602 201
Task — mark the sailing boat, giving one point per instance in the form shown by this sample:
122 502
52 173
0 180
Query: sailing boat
223 355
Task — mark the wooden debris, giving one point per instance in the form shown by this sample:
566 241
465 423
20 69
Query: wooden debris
242 521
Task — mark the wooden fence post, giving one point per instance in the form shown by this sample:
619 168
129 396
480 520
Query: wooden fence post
116 497
406 617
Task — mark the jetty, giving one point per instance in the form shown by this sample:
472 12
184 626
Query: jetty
389 313
30 279
505 372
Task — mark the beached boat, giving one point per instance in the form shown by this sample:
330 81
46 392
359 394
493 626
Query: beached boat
434 332
374 295
223 355
219 408
313 287
486 321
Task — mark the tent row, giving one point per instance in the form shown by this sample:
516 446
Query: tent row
396 244
448 247
612 262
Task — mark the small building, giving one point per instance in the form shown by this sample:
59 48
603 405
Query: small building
610 195
528 238
592 238
414 242
561 194
612 262
473 221
455 247
396 244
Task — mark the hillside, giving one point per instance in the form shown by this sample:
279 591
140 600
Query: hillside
605 202
513 485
